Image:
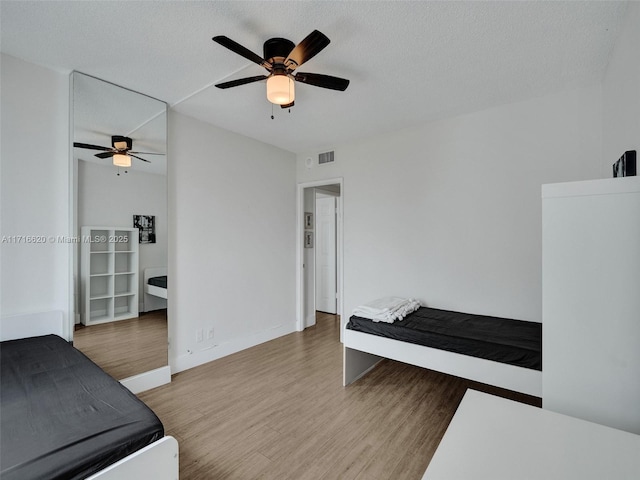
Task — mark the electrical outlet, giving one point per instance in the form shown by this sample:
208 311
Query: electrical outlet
199 335
210 333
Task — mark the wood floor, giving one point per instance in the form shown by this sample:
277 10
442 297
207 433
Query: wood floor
279 411
126 347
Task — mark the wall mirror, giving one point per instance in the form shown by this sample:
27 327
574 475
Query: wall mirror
119 169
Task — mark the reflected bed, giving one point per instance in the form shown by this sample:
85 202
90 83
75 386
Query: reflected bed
155 281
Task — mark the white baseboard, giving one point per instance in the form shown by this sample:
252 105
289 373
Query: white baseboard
148 380
214 352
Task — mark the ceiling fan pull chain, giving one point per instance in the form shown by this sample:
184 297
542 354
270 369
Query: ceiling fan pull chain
272 111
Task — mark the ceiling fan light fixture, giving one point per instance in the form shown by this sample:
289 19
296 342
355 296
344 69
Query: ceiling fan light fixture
280 89
120 160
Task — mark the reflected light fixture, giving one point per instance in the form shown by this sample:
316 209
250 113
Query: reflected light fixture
120 160
280 89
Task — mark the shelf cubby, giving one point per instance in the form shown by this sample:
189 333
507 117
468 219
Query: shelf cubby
124 306
101 286
123 241
124 284
99 240
100 263
100 310
125 262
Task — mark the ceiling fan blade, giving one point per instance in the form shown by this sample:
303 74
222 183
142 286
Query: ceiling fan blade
145 153
242 51
308 48
139 158
105 154
89 146
288 105
240 81
324 81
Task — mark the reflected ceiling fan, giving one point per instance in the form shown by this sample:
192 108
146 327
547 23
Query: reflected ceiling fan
281 58
120 151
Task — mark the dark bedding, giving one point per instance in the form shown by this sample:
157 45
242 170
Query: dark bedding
62 416
158 281
515 342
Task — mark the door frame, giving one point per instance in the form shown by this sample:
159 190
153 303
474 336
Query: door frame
300 247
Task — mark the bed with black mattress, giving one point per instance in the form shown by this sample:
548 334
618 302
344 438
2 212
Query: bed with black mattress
158 281
498 351
63 417
155 281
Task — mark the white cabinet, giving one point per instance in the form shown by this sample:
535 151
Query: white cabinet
591 300
109 274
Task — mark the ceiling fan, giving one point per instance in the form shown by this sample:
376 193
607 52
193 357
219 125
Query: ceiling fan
281 58
120 151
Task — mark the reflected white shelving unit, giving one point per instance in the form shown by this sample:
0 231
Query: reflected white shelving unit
109 274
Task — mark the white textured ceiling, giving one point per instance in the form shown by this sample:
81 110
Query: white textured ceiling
408 62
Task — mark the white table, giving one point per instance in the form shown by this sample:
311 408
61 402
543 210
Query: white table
494 438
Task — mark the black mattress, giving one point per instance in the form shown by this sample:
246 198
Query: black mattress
62 416
515 342
158 281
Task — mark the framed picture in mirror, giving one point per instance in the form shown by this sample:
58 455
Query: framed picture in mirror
146 225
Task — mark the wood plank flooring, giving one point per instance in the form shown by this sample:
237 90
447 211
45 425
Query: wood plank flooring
126 347
279 411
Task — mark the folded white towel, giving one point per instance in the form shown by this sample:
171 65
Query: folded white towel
387 309
382 305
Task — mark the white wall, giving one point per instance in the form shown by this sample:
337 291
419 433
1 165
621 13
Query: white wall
621 93
106 199
35 187
450 212
232 241
232 211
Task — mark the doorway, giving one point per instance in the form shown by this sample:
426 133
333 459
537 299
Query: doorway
326 267
320 287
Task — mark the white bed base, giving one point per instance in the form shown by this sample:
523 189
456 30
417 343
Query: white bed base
362 351
152 289
158 460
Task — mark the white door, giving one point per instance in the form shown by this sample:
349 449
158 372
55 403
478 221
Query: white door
326 254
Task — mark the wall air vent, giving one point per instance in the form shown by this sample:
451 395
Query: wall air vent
326 157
